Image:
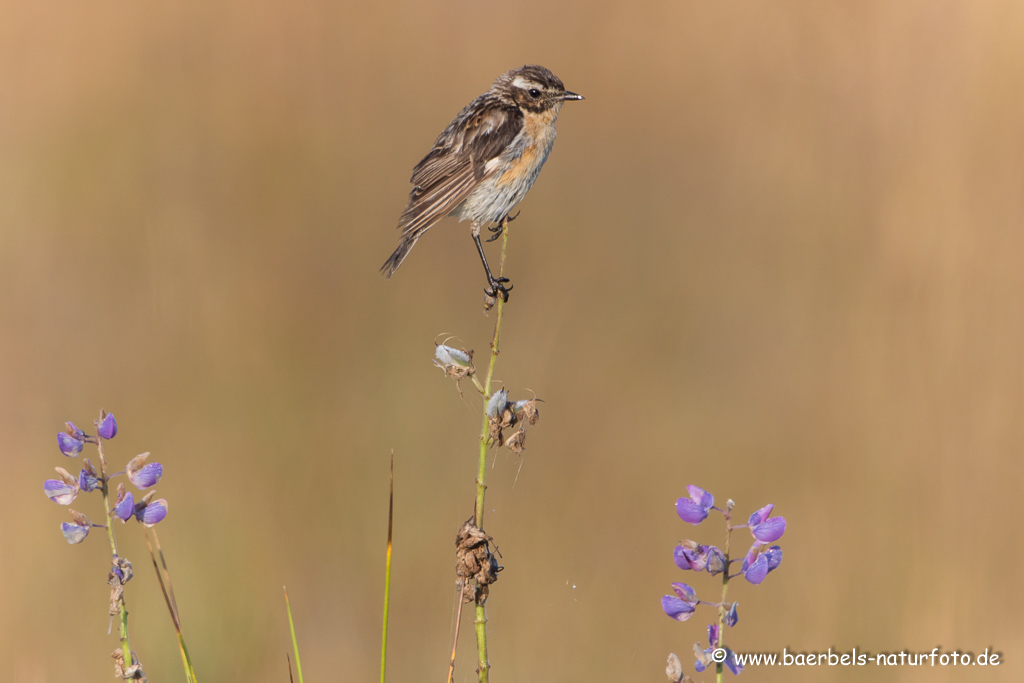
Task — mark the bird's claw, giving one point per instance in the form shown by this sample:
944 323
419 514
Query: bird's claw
499 228
498 288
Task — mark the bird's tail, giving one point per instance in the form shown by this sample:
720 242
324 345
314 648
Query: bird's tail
399 254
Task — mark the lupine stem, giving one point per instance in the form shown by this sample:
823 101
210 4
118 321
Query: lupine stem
725 589
126 648
481 487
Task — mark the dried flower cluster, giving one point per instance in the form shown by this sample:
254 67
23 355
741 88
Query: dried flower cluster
503 414
475 565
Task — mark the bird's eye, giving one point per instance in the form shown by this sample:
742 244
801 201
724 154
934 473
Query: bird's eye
534 93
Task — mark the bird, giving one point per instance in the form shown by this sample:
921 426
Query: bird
485 162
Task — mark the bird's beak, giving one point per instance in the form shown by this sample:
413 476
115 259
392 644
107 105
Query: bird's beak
571 96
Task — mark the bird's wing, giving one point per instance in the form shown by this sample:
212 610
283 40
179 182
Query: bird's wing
457 163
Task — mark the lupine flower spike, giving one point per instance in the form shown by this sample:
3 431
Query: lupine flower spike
146 511
689 555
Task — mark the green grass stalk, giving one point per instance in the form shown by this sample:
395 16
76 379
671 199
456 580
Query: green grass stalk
387 572
295 642
164 578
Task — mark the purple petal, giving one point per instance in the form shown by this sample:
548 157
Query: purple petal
730 661
690 512
769 530
107 428
676 608
73 532
69 445
125 507
701 497
148 476
732 616
713 635
681 555
750 557
685 593
756 572
60 492
703 658
152 513
87 482
774 555
760 515
691 558
75 431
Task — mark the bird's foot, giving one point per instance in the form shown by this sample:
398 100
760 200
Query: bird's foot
497 288
499 227
498 230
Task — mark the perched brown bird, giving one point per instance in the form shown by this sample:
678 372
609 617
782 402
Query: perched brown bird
485 161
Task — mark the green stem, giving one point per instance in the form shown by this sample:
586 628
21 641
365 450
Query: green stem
481 486
725 590
126 648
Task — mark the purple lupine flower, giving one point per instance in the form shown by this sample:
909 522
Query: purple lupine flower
690 555
695 508
774 555
87 478
731 663
716 561
764 528
124 508
74 431
106 427
681 605
68 444
732 616
757 564
61 491
76 530
150 513
74 533
143 475
704 659
496 403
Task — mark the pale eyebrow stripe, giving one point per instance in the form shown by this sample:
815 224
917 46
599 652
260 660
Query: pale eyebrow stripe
525 83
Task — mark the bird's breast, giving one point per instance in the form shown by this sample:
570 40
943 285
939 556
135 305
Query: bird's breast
512 174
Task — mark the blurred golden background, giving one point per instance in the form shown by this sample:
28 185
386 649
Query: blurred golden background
776 253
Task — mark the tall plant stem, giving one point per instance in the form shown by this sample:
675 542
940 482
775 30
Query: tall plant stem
725 588
480 622
126 648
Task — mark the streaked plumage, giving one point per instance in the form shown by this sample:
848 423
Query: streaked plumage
486 160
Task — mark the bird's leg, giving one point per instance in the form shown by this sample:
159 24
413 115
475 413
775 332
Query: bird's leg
496 286
500 227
